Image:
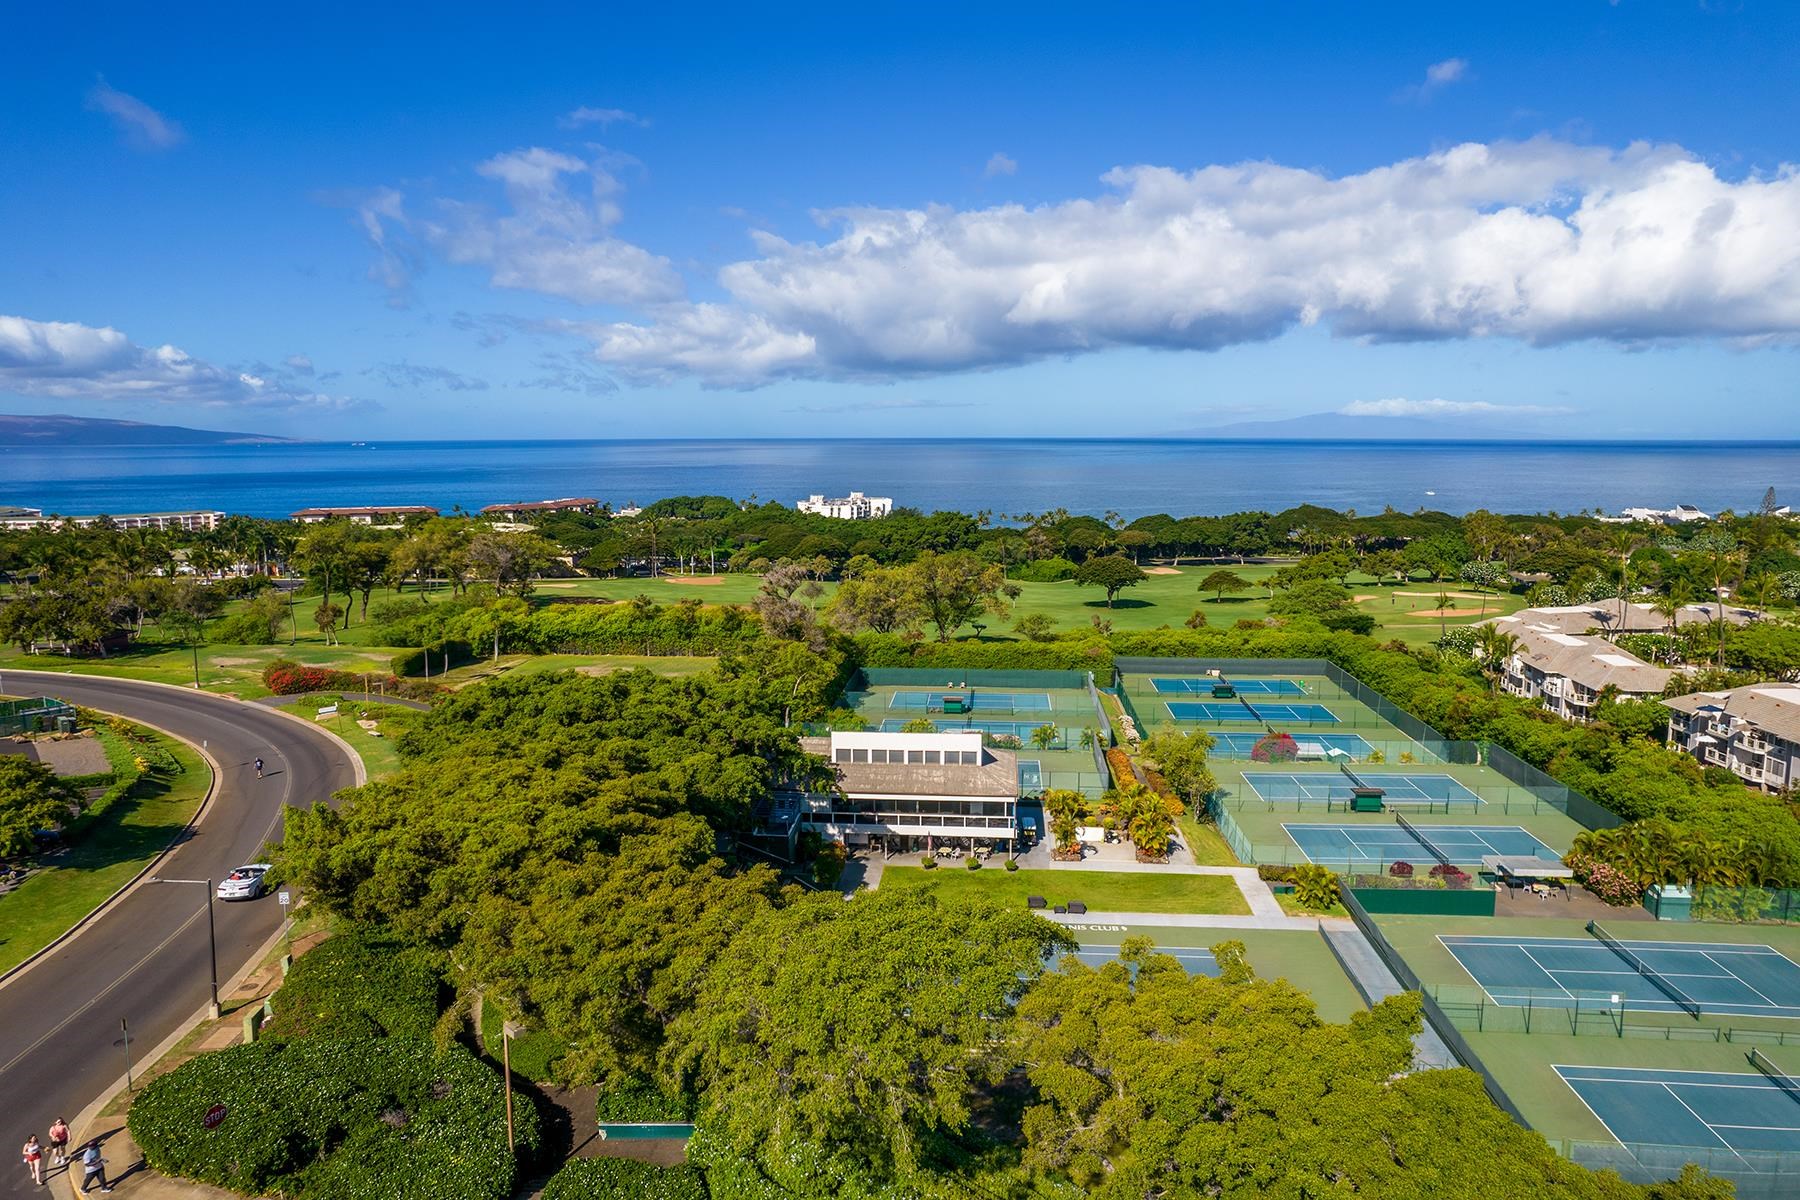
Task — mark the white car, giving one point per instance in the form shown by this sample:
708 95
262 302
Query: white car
245 883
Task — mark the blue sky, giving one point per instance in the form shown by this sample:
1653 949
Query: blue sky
1563 218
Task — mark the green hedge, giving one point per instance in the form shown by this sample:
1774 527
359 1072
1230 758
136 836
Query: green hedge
642 1106
534 1053
357 987
330 1119
624 1179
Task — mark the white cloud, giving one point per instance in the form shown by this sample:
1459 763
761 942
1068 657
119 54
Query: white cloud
1542 241
1000 164
1438 75
143 127
68 361
602 117
416 375
1399 406
552 239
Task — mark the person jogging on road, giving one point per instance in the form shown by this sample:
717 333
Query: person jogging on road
59 1143
259 768
34 1159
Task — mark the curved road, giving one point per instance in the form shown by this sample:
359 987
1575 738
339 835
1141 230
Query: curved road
146 960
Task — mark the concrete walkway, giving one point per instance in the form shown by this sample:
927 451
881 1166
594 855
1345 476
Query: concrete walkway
1376 983
1187 920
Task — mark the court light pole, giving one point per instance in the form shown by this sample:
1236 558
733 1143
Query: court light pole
212 937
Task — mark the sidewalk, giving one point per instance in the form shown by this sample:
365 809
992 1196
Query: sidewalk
1189 920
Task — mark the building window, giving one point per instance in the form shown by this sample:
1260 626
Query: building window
861 756
931 758
915 756
842 756
971 758
879 756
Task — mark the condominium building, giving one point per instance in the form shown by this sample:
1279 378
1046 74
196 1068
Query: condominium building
537 508
1613 617
1681 514
854 507
903 790
391 514
1567 673
1753 732
30 518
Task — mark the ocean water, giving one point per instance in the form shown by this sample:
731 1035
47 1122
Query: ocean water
1131 477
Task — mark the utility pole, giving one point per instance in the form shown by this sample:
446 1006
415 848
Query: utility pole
212 937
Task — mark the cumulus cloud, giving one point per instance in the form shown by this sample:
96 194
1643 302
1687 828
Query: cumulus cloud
1000 164
415 375
576 118
1542 241
142 126
68 361
1438 76
552 238
1399 406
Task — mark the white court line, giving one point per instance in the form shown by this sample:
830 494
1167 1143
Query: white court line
1731 974
1553 979
1703 1121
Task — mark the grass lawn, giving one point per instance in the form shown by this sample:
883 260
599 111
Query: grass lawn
1290 904
134 830
1207 843
587 664
230 670
378 753
1101 891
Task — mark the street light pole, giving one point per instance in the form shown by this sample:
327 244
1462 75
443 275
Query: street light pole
212 936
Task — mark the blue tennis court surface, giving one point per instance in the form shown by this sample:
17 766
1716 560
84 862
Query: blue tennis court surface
1461 844
1231 710
1321 786
1019 729
1239 744
1031 776
1195 960
977 700
1723 979
1689 1108
1256 687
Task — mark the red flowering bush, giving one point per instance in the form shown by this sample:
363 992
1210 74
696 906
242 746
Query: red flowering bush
1275 747
1453 877
1401 870
1606 881
286 678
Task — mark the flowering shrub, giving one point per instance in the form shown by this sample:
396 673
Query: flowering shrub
355 987
1453 877
1401 870
1275 747
1606 881
286 678
624 1179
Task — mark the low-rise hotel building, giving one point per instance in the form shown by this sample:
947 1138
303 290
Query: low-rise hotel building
1568 673
537 508
32 518
854 507
391 514
1753 732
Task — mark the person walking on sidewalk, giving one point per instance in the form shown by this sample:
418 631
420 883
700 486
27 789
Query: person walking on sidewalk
93 1168
59 1143
34 1159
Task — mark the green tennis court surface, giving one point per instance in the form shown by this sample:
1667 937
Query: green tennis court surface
976 699
1031 776
1239 743
1256 687
1722 979
1193 959
1397 788
1739 1112
1464 845
1219 711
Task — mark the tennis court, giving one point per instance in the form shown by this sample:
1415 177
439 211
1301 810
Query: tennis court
1239 744
1194 960
976 700
1378 844
1250 687
1031 776
1233 710
1742 1112
1322 786
1721 978
1019 729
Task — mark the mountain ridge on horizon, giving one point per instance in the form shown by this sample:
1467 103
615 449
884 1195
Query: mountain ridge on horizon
62 429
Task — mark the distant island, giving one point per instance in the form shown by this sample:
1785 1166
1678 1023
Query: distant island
60 430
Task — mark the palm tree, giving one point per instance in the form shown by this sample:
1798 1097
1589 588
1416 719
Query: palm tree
1624 543
1494 647
1722 568
1760 589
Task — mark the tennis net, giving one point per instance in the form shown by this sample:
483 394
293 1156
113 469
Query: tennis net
1422 839
1254 715
1663 983
1786 1082
1353 778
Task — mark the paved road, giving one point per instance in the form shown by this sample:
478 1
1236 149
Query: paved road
146 960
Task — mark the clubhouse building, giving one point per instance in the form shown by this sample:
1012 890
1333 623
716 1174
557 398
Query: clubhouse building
905 793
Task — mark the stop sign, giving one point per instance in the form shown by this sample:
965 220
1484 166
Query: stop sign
215 1116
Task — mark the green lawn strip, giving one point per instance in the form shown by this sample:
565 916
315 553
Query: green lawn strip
378 753
593 664
1101 891
229 670
122 840
1290 904
1207 844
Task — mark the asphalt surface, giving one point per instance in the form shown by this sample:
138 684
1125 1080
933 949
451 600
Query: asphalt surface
146 961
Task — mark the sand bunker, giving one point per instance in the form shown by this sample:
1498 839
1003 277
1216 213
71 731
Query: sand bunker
695 580
1161 571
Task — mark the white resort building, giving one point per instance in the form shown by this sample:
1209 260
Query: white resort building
854 507
1568 672
1754 732
906 792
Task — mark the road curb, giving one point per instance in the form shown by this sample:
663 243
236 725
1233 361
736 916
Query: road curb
130 885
